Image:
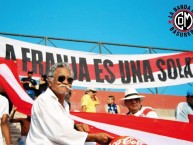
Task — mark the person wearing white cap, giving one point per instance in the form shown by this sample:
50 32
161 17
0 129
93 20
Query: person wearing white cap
132 101
89 101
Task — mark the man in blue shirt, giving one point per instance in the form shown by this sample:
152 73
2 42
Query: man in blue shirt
185 108
111 107
29 85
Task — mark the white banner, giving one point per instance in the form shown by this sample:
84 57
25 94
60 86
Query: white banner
102 70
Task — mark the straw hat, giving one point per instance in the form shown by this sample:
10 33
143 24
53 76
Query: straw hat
130 93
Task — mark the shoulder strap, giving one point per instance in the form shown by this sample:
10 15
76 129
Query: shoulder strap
146 111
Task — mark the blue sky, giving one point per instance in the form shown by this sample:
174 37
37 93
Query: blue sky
119 21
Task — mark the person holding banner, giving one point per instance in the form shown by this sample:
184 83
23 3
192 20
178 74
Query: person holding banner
132 101
51 123
183 109
43 84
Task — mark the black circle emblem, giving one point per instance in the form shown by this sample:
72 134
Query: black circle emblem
183 20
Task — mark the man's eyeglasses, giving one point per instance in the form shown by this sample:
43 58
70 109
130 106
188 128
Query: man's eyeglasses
62 78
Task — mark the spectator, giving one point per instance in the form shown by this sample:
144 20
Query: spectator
43 84
50 120
89 101
185 108
25 124
4 115
29 84
111 107
132 101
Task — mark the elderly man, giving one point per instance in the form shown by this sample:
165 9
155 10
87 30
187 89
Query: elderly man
132 101
51 123
185 108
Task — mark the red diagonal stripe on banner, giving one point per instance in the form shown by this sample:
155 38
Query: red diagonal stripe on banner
168 128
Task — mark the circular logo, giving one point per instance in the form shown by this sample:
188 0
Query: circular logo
183 20
126 140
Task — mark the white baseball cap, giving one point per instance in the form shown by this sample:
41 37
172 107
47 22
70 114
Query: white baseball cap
91 89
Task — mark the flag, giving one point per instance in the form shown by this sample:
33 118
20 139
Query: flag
9 80
150 131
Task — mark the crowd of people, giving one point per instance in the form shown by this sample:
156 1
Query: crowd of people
32 87
51 109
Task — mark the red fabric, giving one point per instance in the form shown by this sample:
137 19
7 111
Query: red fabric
146 111
22 105
172 129
163 127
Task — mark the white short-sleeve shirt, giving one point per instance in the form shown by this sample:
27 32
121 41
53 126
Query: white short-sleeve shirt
51 123
182 111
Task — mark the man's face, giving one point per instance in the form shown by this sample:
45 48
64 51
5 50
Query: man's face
133 105
92 93
60 87
110 101
30 75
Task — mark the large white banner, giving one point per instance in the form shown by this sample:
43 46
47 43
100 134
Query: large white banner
102 70
148 130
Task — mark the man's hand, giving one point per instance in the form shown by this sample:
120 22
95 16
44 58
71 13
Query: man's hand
82 127
101 138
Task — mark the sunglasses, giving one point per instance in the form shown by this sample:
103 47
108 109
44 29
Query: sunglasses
62 78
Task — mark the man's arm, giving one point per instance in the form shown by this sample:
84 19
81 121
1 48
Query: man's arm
83 108
96 100
23 81
11 119
81 127
5 129
101 138
118 109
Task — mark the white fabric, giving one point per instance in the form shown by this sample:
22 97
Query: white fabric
150 137
116 61
4 109
182 111
51 123
150 114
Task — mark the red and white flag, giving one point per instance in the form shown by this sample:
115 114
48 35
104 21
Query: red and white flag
9 80
102 70
148 130
136 129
